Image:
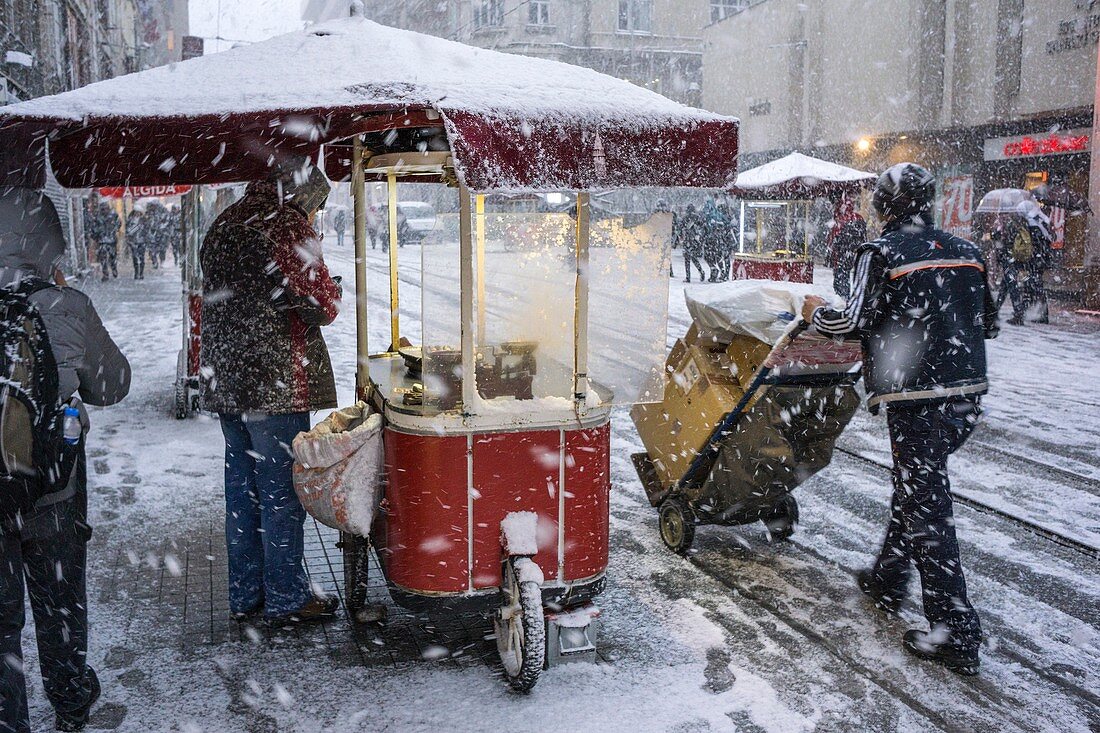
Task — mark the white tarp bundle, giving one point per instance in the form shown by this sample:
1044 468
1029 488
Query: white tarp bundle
762 309
338 469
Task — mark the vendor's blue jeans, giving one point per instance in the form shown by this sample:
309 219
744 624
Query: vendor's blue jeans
263 517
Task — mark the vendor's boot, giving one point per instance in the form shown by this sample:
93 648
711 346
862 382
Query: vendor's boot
939 648
315 609
78 719
886 597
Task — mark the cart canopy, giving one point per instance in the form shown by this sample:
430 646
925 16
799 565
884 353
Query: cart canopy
511 122
798 176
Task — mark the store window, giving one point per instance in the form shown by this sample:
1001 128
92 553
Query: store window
636 16
538 12
720 9
488 13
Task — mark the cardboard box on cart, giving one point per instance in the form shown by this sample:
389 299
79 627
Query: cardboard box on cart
700 387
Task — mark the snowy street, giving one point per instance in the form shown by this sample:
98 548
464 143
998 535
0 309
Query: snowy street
743 635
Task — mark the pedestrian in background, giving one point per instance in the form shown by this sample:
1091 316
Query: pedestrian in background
267 293
1042 257
849 232
174 232
138 231
1016 250
689 233
340 223
101 226
926 289
43 549
159 225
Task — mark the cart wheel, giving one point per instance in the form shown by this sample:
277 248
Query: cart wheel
183 405
356 552
783 519
520 627
677 524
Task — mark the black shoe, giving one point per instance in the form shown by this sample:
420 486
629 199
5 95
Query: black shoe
885 598
958 660
1016 321
316 609
77 719
249 614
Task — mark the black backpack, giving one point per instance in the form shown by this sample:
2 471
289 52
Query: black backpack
34 459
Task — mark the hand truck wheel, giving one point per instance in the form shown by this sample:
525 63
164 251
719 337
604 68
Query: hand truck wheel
783 519
520 626
676 522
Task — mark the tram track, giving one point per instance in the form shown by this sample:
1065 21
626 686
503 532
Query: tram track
976 504
1088 483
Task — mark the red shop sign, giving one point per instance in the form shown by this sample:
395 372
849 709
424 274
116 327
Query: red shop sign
1031 146
137 192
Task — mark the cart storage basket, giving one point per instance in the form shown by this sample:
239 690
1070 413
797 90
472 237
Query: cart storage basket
338 469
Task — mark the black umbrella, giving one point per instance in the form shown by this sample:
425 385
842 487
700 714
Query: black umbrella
1062 196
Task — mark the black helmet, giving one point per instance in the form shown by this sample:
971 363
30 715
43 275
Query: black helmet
905 189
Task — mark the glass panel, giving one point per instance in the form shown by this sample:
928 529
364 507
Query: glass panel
525 336
441 316
628 293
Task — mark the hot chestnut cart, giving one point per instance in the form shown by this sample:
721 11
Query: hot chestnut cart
497 377
773 242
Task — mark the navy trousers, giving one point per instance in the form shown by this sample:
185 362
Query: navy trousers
43 555
922 524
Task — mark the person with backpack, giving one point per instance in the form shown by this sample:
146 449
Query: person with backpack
1042 256
1016 251
55 356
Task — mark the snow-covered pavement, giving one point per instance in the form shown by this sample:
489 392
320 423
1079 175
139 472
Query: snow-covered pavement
741 636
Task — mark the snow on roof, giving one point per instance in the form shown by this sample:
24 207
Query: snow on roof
353 62
513 122
798 171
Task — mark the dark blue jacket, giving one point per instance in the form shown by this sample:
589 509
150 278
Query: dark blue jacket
921 305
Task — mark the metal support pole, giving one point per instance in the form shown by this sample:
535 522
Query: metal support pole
466 297
580 317
479 224
741 232
395 321
359 222
806 232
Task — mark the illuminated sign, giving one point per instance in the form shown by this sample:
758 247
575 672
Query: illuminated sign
1032 146
137 192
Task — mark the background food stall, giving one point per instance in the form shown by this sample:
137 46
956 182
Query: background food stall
773 242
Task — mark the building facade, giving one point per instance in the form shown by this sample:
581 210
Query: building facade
653 43
51 46
985 93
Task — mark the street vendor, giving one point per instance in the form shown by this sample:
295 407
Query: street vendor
266 295
922 306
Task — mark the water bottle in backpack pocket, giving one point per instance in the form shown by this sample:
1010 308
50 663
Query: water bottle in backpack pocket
35 459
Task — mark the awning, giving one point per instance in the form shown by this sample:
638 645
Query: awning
797 176
512 122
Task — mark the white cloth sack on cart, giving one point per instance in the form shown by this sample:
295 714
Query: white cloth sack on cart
338 469
762 309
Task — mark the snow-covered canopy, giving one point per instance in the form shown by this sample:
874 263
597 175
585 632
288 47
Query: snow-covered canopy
798 176
512 122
